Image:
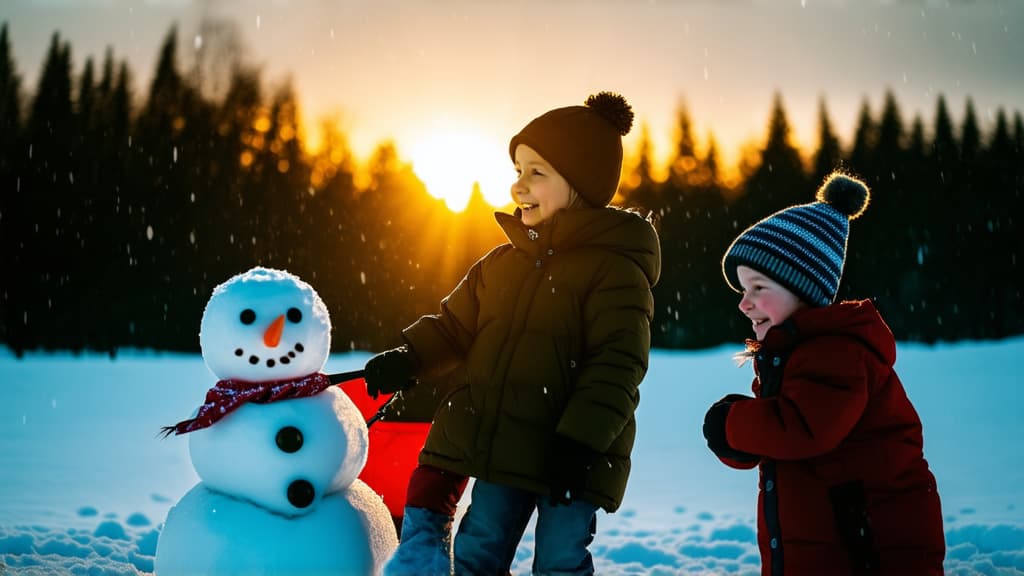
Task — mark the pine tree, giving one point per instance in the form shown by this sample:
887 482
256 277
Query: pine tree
972 253
1001 290
940 189
285 184
10 112
722 324
158 199
44 255
83 207
778 181
233 197
640 188
888 150
1016 221
102 120
671 326
914 289
828 156
711 161
684 169
878 248
884 238
335 232
864 141
690 295
115 157
378 263
12 204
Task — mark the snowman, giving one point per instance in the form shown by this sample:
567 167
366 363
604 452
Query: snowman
277 448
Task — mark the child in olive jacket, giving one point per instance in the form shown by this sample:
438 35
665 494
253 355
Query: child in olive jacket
547 338
844 486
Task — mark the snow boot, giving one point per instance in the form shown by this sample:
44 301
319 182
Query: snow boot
426 546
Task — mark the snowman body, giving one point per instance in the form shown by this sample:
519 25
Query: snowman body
210 533
278 490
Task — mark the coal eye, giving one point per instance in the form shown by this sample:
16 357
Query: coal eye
247 316
294 315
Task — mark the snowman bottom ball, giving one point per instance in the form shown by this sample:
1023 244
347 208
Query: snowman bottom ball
207 532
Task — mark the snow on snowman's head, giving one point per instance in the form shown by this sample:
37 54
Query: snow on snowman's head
263 325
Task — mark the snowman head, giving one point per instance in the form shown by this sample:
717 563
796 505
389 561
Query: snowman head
262 325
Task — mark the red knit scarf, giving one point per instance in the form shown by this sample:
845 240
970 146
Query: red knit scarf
228 395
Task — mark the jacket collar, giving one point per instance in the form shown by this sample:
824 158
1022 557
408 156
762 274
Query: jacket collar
523 237
622 231
858 319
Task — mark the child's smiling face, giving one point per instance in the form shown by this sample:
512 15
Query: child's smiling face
539 190
766 302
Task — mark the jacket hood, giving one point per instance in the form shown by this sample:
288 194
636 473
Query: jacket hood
854 319
621 231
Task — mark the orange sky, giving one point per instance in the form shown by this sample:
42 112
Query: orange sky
450 81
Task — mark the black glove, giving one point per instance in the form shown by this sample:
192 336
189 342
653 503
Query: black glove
390 371
714 430
569 464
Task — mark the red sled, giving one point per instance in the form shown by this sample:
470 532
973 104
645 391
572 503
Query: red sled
394 448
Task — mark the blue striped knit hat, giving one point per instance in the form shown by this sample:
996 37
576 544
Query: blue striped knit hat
802 247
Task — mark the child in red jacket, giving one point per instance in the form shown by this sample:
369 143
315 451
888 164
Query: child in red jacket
844 486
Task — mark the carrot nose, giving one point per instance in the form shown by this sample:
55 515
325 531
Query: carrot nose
272 337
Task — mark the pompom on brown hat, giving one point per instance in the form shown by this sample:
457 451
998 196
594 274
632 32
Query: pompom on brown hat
583 143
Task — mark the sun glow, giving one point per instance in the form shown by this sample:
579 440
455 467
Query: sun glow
451 158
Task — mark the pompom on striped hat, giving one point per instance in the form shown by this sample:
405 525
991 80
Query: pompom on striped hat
803 247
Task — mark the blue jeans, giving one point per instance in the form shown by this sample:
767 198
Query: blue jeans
493 525
425 549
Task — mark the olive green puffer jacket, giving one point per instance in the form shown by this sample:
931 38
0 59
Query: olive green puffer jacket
547 333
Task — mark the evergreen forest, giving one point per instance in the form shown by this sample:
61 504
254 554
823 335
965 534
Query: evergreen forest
120 211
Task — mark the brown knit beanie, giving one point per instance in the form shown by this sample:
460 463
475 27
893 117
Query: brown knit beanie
583 143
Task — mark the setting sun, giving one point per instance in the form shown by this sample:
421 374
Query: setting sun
450 159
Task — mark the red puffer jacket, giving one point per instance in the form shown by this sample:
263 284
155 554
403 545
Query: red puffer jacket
844 486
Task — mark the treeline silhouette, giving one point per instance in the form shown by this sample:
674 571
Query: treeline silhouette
117 220
939 248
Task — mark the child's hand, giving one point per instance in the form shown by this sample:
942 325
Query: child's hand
389 372
714 429
569 463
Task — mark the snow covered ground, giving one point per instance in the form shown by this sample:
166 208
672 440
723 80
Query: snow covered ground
85 480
